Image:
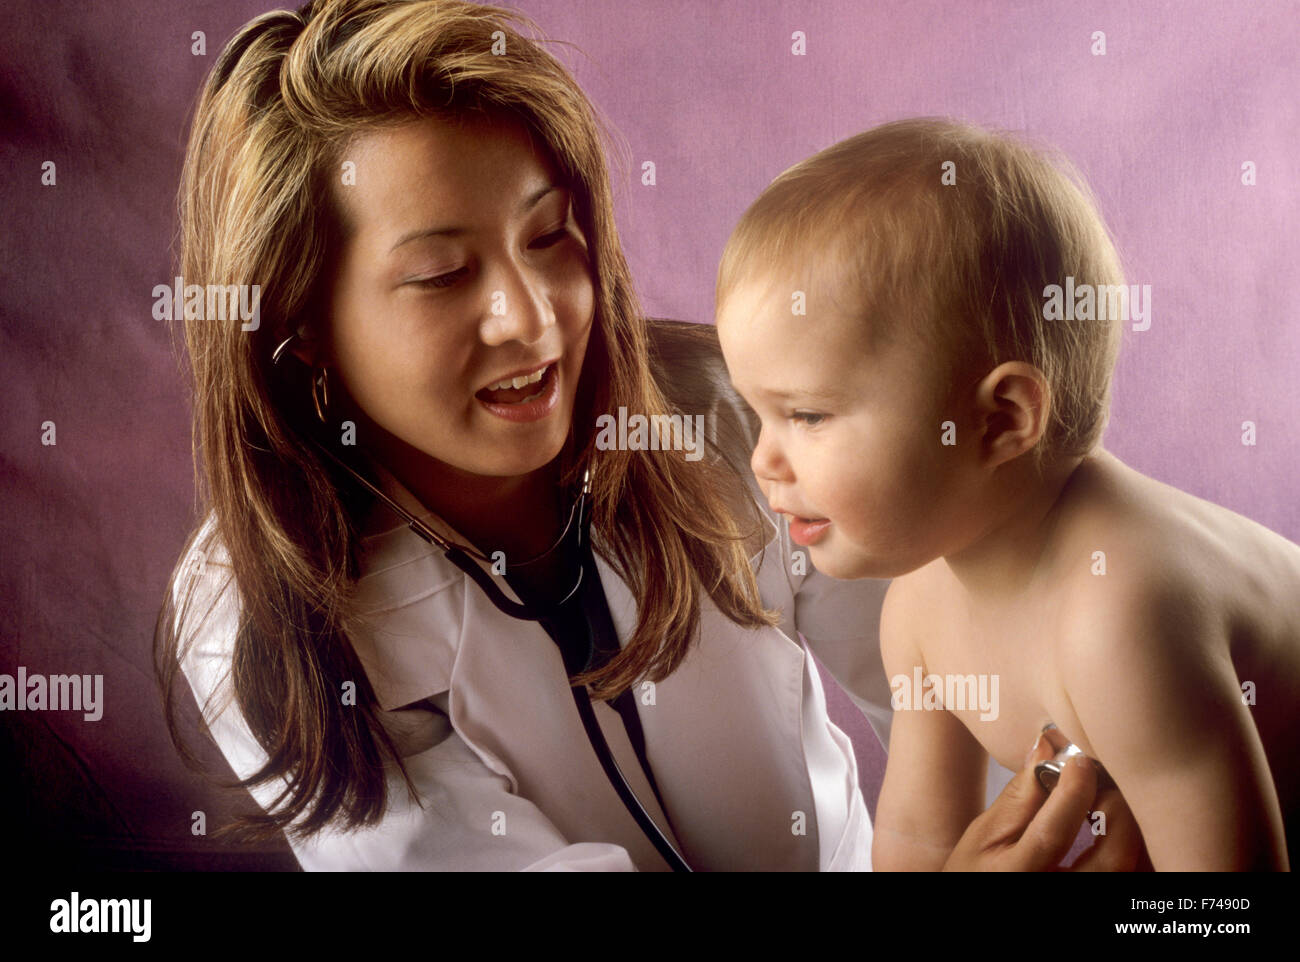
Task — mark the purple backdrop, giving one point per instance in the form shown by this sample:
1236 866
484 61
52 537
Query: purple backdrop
1184 95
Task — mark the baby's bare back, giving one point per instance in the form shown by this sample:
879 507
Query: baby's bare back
1127 553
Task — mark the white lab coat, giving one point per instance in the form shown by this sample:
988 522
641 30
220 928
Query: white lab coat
752 770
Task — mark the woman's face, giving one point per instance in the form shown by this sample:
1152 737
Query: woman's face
461 266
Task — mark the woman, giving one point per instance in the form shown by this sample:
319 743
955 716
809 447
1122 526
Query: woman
420 195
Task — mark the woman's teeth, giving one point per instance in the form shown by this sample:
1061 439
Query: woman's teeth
519 390
518 382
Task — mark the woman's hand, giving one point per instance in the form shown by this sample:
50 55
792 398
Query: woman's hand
1028 830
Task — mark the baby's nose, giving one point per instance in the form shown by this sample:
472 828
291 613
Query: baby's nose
767 463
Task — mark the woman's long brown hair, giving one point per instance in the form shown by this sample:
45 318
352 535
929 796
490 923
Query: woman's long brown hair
282 101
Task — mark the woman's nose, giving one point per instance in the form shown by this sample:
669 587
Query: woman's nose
519 309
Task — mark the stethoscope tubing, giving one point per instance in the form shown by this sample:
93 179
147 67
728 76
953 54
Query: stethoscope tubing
523 612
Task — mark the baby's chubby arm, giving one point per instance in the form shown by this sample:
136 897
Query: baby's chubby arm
935 776
1147 671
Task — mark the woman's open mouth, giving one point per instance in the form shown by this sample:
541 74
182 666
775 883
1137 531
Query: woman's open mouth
535 396
808 531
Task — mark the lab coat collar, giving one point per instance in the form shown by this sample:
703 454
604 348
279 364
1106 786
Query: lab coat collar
409 657
728 715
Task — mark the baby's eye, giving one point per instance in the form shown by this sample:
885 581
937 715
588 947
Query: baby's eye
809 418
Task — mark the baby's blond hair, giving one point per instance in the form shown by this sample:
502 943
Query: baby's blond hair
962 264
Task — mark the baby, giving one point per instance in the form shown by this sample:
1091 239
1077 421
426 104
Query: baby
932 412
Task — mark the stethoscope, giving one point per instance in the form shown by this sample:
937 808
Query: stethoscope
464 559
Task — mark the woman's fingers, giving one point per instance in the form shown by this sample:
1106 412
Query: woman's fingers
992 841
1052 831
1052 735
1029 830
1021 799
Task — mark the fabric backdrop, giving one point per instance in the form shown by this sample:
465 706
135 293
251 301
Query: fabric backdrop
716 97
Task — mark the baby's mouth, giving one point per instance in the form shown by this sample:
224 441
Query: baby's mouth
808 531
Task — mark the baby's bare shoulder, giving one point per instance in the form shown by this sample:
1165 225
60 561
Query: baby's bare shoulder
1126 577
1168 601
1132 640
1131 549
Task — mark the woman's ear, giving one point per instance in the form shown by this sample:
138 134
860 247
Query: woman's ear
303 346
1013 404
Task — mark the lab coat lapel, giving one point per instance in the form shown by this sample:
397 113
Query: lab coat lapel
723 732
430 630
723 735
511 701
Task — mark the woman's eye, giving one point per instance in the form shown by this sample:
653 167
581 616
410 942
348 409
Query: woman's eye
809 418
551 239
443 280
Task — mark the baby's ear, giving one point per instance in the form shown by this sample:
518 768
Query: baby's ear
1013 404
